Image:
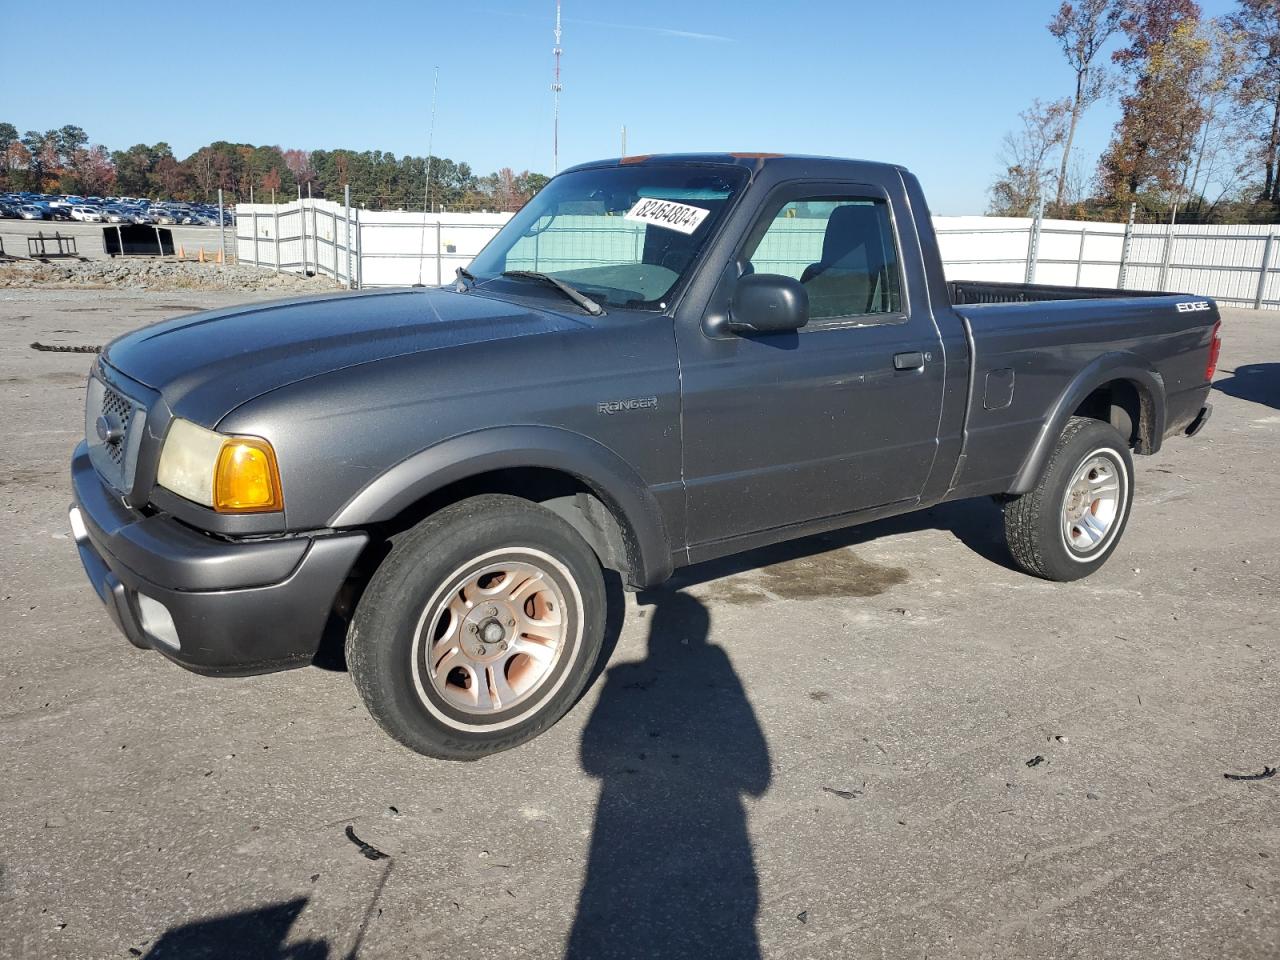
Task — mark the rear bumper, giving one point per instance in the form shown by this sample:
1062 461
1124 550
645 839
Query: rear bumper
1201 419
214 606
1187 411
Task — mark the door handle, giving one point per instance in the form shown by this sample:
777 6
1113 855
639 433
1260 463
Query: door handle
908 361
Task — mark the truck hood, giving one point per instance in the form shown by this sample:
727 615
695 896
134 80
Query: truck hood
207 364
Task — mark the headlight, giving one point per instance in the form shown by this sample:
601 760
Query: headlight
229 474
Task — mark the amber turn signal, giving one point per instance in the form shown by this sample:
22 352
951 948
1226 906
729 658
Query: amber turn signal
247 479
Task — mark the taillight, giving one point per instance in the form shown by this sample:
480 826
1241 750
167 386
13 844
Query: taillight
1215 348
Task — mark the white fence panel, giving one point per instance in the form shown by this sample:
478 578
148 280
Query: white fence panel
363 248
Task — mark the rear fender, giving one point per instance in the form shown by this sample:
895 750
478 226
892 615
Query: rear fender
1105 369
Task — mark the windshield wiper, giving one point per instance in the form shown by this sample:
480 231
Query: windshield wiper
577 296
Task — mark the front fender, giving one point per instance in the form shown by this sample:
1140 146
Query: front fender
1119 365
498 448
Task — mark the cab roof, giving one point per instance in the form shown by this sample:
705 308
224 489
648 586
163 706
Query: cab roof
752 161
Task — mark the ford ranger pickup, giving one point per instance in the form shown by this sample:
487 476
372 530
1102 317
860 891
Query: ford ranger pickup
658 361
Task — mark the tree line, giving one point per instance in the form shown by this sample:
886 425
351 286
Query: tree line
1198 138
63 161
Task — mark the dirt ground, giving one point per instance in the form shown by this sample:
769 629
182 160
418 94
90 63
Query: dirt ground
880 743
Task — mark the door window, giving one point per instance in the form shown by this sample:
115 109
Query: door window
842 249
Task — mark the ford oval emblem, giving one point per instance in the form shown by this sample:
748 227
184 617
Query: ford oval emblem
108 428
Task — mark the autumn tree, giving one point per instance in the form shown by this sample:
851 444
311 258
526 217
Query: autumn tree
41 160
1083 29
271 181
17 163
1029 154
44 164
1161 115
169 178
89 171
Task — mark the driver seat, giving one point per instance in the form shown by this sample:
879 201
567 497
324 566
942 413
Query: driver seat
850 277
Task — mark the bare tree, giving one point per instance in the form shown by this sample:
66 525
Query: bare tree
299 164
1083 29
1028 156
1258 87
1219 138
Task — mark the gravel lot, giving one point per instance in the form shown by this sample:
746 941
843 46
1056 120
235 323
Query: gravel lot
156 274
820 750
88 236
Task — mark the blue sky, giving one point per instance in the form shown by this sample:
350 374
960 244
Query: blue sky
933 84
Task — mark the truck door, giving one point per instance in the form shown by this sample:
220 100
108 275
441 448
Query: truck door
836 418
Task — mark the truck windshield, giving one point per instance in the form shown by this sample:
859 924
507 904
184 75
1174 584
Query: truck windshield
624 236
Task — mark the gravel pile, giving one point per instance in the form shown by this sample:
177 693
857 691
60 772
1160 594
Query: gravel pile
155 275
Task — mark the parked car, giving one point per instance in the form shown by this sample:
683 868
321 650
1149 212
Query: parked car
163 216
773 352
32 211
87 214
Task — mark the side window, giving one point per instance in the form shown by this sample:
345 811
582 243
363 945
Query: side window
841 248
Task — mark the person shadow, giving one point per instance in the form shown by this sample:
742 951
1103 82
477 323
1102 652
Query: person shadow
262 933
676 746
1258 382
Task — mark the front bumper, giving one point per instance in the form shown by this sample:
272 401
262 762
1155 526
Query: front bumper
214 606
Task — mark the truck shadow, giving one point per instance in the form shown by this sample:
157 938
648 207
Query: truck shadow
676 745
977 523
1256 382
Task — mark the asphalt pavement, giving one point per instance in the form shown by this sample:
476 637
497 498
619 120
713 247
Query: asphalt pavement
879 743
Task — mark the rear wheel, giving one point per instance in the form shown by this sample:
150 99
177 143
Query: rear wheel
1071 521
480 628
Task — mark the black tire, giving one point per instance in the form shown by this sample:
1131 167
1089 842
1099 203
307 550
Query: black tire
1039 538
392 666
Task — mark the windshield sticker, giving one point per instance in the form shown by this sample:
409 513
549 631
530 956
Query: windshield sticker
667 213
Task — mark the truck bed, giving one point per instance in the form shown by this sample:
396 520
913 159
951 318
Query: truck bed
964 292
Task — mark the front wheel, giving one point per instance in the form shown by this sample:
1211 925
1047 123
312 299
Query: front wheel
479 629
1068 525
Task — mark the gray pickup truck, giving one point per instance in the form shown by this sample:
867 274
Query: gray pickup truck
658 361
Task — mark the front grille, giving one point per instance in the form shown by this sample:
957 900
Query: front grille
115 456
117 408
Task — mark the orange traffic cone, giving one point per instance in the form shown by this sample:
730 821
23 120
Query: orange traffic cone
201 257
218 258
182 254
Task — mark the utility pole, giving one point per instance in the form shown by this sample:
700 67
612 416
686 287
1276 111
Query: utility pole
431 139
556 87
426 189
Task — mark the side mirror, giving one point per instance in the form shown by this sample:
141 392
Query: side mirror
768 303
